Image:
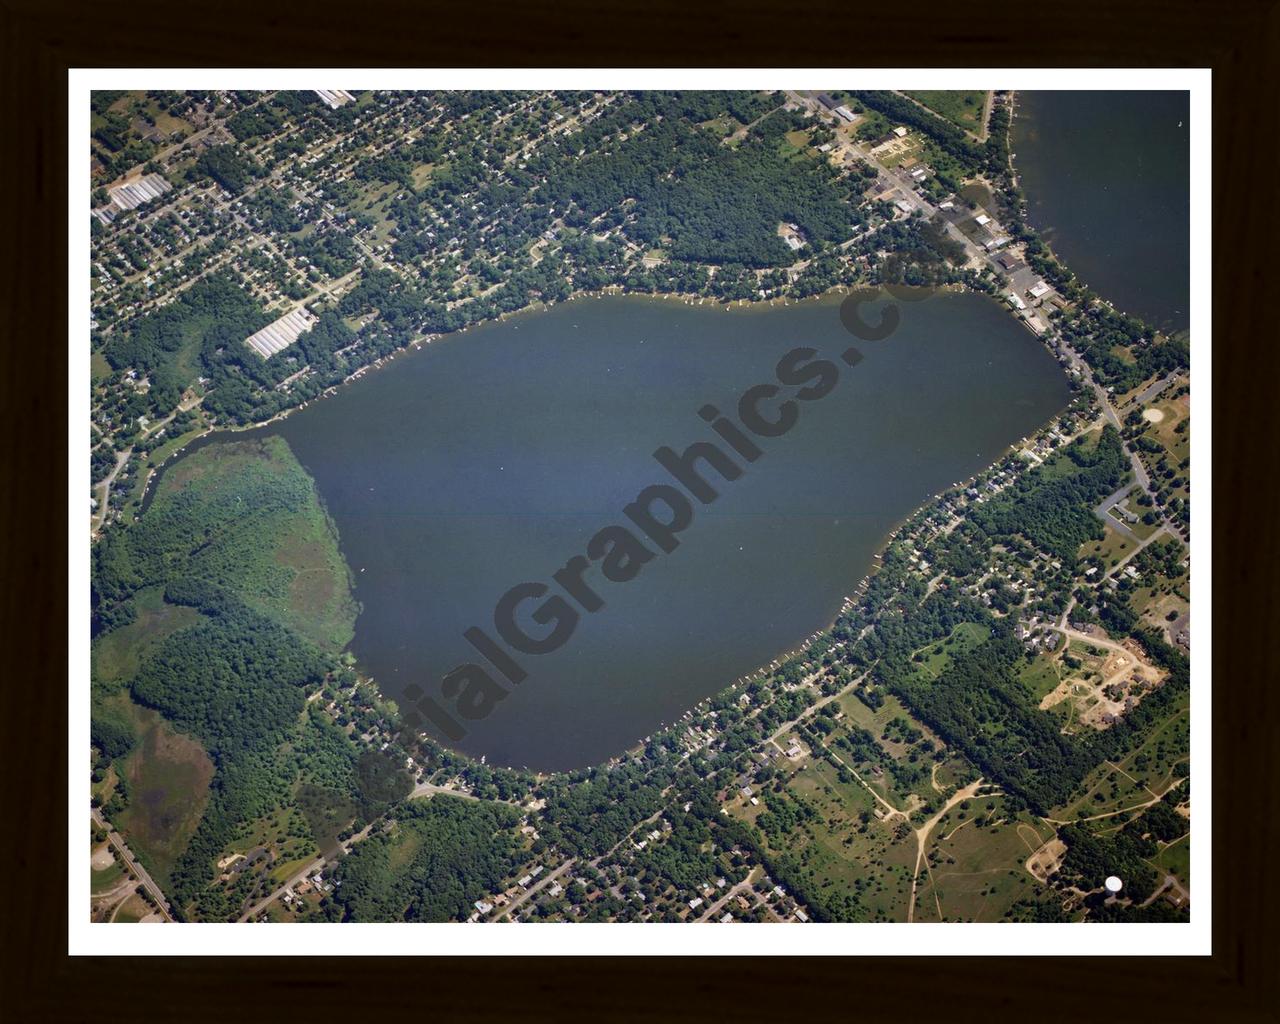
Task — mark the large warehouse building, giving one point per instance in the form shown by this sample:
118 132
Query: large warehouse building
279 335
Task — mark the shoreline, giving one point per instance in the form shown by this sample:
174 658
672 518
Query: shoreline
418 342
215 435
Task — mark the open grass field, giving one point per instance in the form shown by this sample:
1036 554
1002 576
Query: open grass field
963 108
795 145
935 659
1173 413
1060 464
1156 760
975 862
99 368
117 655
1106 790
843 848
977 192
1111 549
421 175
722 126
327 811
910 767
375 203
278 845
133 910
1162 598
1176 859
169 776
1042 675
1147 771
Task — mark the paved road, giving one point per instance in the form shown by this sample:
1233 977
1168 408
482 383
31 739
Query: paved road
311 868
1150 391
904 185
752 877
1160 531
99 516
117 841
546 880
1103 511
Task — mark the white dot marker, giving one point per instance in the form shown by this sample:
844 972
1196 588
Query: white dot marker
1113 884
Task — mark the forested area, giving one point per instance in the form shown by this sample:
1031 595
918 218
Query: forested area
685 857
1055 512
440 856
236 682
1101 334
590 812
1091 858
979 705
171 342
226 166
238 678
706 202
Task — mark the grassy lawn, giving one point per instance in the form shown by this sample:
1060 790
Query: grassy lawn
327 811
285 834
421 175
794 144
1173 413
132 910
1111 549
374 203
721 126
1105 790
1148 768
1168 745
935 659
99 368
1176 859
907 768
976 192
106 879
1042 675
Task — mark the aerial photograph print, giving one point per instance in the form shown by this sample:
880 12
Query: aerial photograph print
663 505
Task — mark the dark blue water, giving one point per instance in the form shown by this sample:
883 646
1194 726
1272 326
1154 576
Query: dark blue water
492 457
1107 179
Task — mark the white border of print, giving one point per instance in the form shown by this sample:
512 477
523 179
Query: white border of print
85 938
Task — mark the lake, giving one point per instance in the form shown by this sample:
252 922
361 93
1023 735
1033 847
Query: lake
490 458
1107 181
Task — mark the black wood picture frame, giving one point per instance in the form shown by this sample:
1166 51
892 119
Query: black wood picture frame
40 41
